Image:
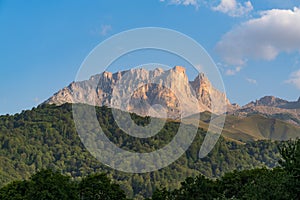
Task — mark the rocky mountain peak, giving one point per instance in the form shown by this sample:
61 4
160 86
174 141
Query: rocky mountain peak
201 81
206 94
169 88
179 69
107 75
269 101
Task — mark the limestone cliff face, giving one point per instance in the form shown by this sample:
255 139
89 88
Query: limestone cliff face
155 93
208 96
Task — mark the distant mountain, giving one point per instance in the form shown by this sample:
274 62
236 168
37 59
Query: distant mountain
272 101
136 90
272 107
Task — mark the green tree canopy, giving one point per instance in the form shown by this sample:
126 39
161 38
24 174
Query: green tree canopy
99 186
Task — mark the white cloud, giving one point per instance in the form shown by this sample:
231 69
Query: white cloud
231 7
183 2
264 38
234 8
252 81
231 72
105 29
294 79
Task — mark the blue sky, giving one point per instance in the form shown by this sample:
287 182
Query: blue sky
255 43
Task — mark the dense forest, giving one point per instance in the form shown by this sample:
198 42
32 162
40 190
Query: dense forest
51 185
278 183
45 138
261 183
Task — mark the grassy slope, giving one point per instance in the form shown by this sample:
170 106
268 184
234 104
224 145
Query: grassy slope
252 128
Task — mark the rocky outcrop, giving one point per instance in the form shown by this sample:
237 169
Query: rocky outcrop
147 92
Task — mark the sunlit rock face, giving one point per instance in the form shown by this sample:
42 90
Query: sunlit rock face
155 93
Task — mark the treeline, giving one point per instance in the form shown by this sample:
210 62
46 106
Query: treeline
271 184
46 138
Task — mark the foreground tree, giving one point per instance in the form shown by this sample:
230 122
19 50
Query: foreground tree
290 162
51 185
44 185
255 184
99 186
196 188
14 191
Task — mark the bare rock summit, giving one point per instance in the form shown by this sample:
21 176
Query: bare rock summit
155 93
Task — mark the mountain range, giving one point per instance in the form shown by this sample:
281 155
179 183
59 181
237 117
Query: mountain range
137 90
170 94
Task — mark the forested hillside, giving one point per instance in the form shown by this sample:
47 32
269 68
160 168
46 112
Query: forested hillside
260 183
45 137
